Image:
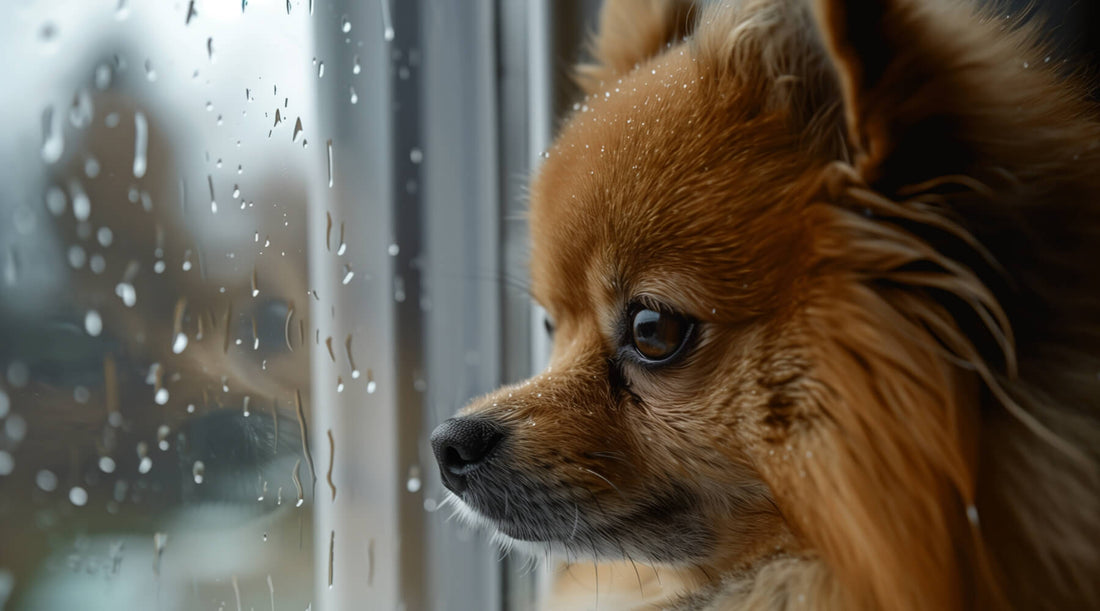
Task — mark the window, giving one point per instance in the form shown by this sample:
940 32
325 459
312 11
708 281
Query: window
250 255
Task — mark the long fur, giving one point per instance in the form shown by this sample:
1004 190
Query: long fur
906 224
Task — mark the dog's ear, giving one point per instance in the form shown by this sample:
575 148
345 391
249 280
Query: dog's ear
630 32
903 82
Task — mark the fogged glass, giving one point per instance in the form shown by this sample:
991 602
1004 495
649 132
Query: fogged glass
155 329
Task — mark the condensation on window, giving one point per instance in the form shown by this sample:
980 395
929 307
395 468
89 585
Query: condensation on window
155 311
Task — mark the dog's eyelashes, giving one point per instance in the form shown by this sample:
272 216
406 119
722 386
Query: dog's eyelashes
657 336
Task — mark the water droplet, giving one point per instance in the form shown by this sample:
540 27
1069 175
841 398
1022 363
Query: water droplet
348 274
345 25
198 471
412 484
972 514
77 256
321 70
210 49
371 387
236 192
102 76
93 324
91 167
126 293
162 437
339 384
107 464
122 11
81 110
213 202
78 496
7 465
15 427
82 206
150 72
393 250
161 396
145 465
354 96
141 143
46 480
355 67
330 174
105 236
53 143
416 155
387 24
47 31
97 264
55 200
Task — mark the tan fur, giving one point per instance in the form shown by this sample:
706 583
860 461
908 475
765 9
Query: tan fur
884 216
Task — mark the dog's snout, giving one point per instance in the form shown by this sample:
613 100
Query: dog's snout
461 446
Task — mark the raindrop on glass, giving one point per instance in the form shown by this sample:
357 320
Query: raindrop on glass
387 24
107 464
412 484
126 293
141 142
7 465
55 200
53 144
416 155
91 167
93 324
198 471
77 256
46 480
78 496
15 427
82 206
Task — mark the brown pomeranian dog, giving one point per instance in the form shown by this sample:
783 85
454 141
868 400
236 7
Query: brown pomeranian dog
826 315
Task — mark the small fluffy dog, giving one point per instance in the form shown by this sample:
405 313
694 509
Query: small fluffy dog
826 315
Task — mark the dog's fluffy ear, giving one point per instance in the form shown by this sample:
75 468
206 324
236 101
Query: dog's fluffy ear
630 32
901 86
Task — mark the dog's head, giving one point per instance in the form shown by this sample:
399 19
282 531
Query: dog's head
763 342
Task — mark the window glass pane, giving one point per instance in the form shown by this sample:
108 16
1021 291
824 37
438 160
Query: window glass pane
155 313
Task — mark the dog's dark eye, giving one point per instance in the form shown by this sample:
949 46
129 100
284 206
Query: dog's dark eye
657 336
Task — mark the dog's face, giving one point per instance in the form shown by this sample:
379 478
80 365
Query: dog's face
670 253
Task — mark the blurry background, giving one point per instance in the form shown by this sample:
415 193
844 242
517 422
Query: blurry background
251 253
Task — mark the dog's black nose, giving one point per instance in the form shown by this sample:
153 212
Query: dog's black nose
461 446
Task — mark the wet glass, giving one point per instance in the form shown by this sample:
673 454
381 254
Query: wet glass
155 311
251 254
